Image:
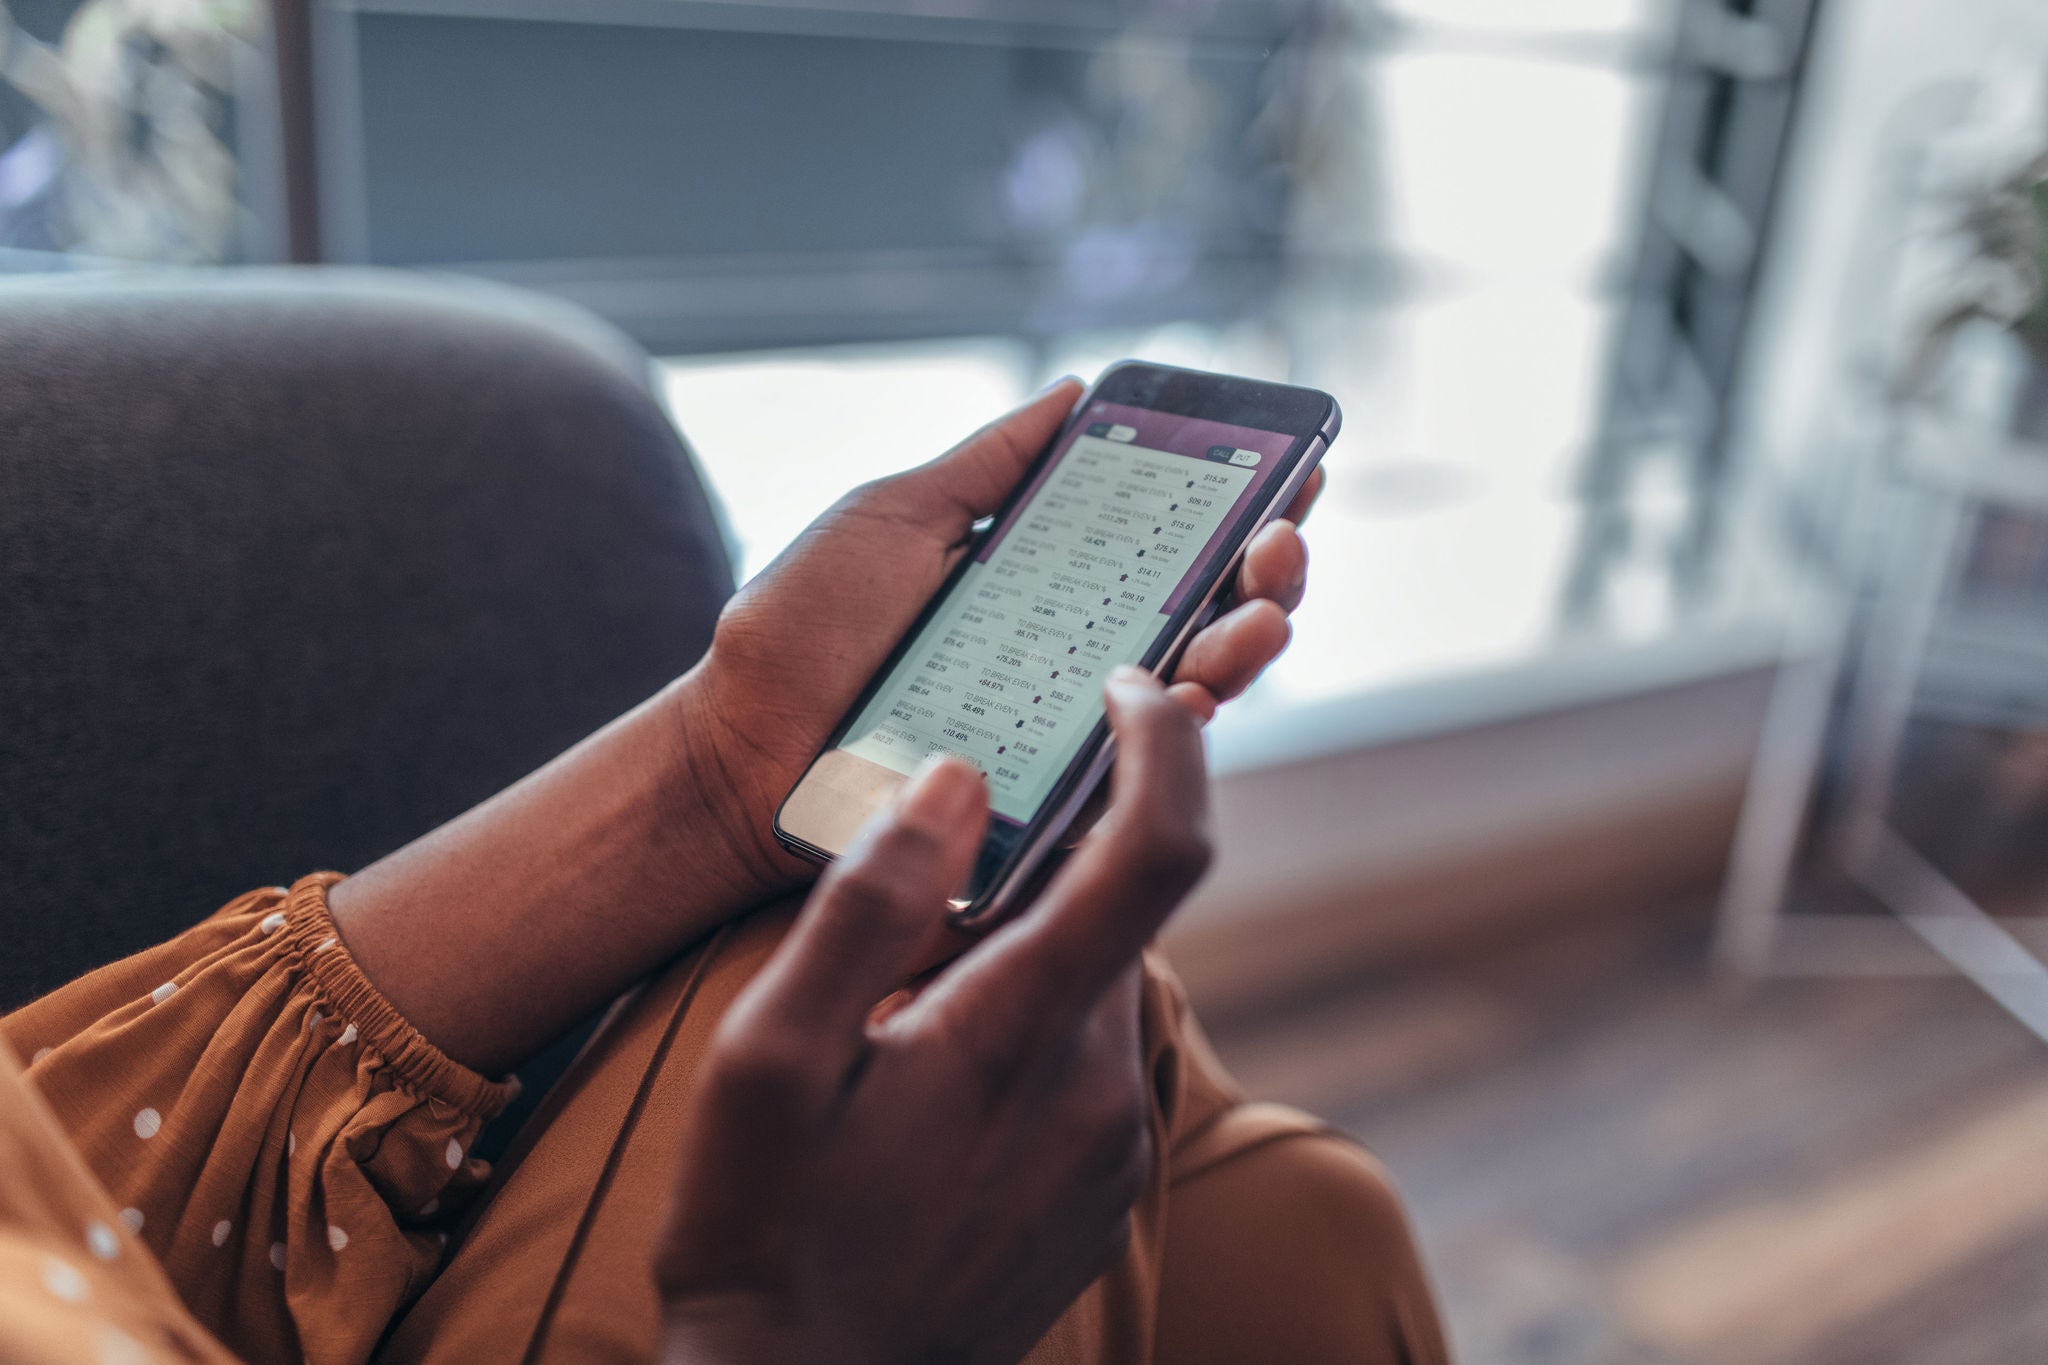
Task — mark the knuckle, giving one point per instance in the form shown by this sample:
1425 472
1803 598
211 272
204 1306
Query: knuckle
751 1095
758 1055
1194 661
871 884
1116 1242
762 1066
902 847
1138 1174
1171 850
880 498
1119 1133
891 497
731 616
1125 1166
1129 1186
736 629
864 495
1132 1129
1153 716
1193 852
892 860
1172 722
1004 1054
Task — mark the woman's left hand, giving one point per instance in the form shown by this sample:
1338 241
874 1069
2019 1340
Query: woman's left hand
579 878
795 646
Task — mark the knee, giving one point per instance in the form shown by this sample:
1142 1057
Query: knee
1296 1249
1336 1193
1320 1204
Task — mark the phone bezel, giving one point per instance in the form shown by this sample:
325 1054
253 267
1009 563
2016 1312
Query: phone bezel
1304 415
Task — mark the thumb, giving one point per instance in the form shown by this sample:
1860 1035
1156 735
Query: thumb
975 476
873 911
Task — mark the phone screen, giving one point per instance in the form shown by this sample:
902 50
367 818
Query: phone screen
1086 571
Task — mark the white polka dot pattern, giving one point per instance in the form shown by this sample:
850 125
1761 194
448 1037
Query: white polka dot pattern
116 1347
64 1281
101 1241
183 1039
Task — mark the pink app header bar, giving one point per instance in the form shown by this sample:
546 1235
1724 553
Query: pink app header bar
1193 437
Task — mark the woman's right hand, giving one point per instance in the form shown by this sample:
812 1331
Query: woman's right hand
939 1183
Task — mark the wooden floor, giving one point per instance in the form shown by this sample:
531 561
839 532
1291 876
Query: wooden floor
1612 1156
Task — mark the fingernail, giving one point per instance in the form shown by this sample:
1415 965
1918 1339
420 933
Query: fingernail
940 793
1063 379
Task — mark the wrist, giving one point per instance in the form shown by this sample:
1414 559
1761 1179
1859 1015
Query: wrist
725 783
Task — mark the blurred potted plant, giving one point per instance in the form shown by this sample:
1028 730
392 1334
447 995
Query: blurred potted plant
2003 283
1976 793
139 95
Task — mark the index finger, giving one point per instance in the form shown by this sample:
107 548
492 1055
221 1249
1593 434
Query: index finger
1044 970
855 941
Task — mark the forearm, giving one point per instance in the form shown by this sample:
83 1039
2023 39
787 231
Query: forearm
497 931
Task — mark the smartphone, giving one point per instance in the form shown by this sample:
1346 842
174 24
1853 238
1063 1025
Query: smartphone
1114 549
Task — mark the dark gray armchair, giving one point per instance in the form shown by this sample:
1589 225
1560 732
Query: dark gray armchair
296 565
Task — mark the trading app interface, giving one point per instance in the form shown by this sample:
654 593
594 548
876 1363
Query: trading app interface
1083 575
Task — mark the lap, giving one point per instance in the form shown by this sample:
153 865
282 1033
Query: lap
556 1265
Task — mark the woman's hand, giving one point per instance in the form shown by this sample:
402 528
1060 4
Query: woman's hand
796 645
941 1183
500 929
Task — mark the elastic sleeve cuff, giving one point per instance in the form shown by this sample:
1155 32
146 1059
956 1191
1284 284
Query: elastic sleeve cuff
414 1063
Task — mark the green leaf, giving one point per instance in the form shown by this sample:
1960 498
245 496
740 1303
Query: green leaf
2035 323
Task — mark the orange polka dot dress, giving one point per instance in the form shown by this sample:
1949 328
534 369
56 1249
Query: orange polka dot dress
234 1128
